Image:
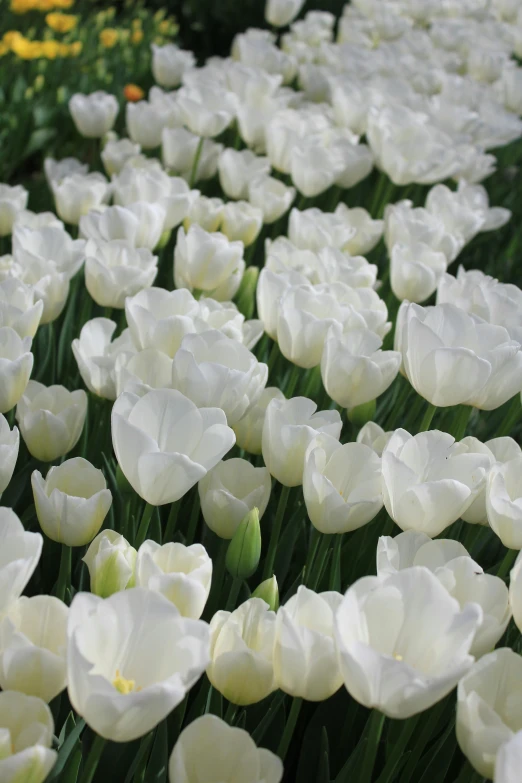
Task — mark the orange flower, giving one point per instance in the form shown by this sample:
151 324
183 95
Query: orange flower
133 93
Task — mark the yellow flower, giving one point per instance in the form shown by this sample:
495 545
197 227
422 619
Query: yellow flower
164 27
61 23
3 49
11 36
75 48
26 50
63 3
109 37
137 36
136 23
21 6
39 82
51 49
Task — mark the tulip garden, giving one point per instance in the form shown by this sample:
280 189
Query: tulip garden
260 395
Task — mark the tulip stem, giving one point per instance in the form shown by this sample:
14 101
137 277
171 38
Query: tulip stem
272 359
335 571
64 575
276 532
370 753
322 554
144 525
197 156
312 549
230 714
289 728
232 596
93 759
507 563
292 381
171 521
193 522
511 418
461 422
427 418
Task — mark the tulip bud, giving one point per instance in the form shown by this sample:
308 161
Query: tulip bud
268 591
246 296
362 414
244 550
110 560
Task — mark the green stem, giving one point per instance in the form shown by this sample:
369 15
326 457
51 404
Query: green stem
292 381
461 422
507 563
289 728
93 759
511 418
232 596
397 753
64 575
144 525
107 312
312 549
335 571
172 520
272 359
322 554
230 714
197 156
370 753
193 522
276 532
427 418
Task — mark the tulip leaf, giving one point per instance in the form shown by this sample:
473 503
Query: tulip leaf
139 763
437 762
323 770
66 751
38 139
159 757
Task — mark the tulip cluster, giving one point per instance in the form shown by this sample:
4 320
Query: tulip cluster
294 473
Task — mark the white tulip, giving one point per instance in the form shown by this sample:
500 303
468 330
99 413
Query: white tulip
279 13
50 244
140 224
36 220
403 642
487 708
241 222
407 225
504 502
116 153
142 371
160 319
164 444
51 419
216 371
9 446
145 123
49 284
179 149
16 363
33 644
111 562
367 231
312 229
415 271
341 485
271 196
241 652
429 480
56 170
206 212
230 491
115 270
20 555
181 573
209 749
96 355
76 195
72 502
27 729
93 114
208 262
289 428
169 63
305 659
205 112
374 436
249 429
509 760
238 168
18 308
12 201
131 659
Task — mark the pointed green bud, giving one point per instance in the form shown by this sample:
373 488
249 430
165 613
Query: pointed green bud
244 550
362 414
246 296
268 591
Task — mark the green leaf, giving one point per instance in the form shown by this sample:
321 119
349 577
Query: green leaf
69 747
38 139
159 758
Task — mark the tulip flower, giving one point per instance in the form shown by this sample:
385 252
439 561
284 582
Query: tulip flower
51 419
249 429
76 195
145 123
180 573
341 485
509 760
179 149
244 550
403 642
485 716
216 371
49 284
169 63
17 363
115 270
142 371
20 555
27 729
241 221
241 652
238 168
12 201
206 213
229 491
208 262
36 220
429 480
131 659
111 562
9 446
56 170
19 307
503 507
160 319
72 502
116 153
164 444
415 271
93 114
33 644
271 196
140 224
279 13
204 112
96 355
210 749
49 244
374 436
305 661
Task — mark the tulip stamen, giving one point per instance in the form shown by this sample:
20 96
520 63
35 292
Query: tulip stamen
123 685
397 656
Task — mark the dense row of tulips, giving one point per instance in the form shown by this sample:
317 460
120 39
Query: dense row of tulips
300 400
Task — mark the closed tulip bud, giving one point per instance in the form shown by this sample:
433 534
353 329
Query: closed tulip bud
15 368
230 754
93 114
244 550
305 660
241 652
268 591
169 63
9 446
12 201
111 562
33 644
121 688
20 555
115 270
241 222
26 729
72 502
181 573
164 444
486 713
503 502
415 271
116 153
51 419
279 13
246 296
379 626
76 195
